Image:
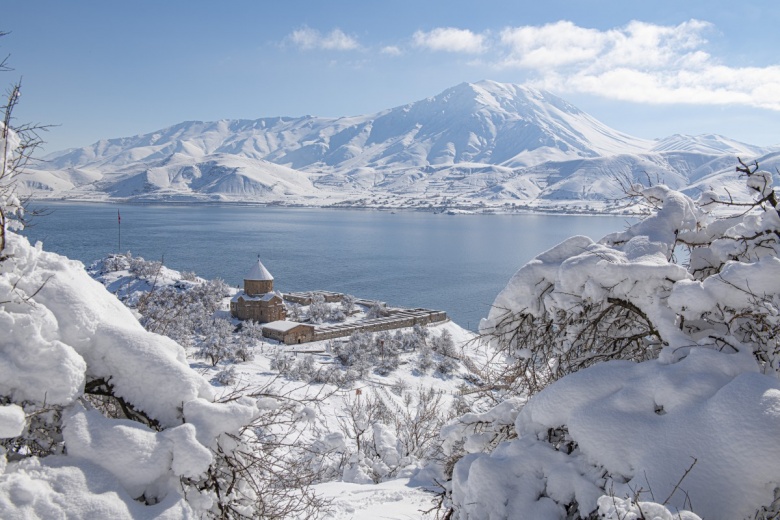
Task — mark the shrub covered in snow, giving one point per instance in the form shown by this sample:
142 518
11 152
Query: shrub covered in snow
381 352
381 438
182 311
217 343
377 310
226 376
146 269
348 304
653 382
18 142
319 311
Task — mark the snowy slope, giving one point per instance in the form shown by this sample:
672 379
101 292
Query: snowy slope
474 142
707 144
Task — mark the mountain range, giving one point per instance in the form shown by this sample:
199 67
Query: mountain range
474 146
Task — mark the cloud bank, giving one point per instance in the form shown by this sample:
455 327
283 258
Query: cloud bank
640 62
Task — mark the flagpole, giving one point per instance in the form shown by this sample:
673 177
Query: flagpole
119 230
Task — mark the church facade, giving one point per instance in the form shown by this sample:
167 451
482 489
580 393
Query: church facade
258 301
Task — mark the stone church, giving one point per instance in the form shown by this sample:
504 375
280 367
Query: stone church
258 301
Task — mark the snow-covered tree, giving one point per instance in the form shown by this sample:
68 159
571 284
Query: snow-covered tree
337 314
18 142
251 333
634 370
425 360
448 356
348 304
386 353
319 311
182 311
295 313
217 343
377 310
420 335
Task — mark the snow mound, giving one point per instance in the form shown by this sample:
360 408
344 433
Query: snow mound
78 324
643 426
61 488
67 341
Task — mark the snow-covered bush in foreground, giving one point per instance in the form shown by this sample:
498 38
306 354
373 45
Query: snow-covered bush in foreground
100 418
651 385
381 439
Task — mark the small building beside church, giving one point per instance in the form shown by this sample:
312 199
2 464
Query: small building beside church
258 301
289 332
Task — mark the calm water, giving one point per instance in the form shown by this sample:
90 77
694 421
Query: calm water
453 263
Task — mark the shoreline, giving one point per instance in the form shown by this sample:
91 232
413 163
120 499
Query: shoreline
450 210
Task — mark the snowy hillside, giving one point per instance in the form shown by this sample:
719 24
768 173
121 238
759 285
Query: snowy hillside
706 144
480 144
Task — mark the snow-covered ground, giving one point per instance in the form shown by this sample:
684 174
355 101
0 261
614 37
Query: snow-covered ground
392 500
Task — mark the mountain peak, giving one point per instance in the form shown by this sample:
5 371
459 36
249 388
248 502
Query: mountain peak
486 126
484 122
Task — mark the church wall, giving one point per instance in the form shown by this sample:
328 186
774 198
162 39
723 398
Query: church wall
254 287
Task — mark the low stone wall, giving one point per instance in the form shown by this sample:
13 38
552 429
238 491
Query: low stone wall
304 298
397 320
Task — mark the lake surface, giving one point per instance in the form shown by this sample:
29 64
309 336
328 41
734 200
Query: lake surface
455 263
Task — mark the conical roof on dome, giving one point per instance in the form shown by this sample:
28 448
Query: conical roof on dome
258 272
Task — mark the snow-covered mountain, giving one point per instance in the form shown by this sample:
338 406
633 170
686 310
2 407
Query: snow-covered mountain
475 143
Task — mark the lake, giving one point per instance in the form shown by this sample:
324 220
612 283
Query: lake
455 263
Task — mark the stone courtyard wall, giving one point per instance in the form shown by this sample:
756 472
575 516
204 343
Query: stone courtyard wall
398 320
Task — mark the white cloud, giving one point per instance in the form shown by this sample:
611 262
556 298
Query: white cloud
552 45
450 39
307 38
392 50
639 62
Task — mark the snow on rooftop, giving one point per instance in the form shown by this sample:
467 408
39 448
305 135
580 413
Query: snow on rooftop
265 297
282 325
258 272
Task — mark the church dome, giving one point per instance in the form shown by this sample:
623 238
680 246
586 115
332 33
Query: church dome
258 280
258 273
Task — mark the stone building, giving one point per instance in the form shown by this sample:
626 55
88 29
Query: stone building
289 332
258 301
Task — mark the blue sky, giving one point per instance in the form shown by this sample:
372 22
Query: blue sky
103 69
